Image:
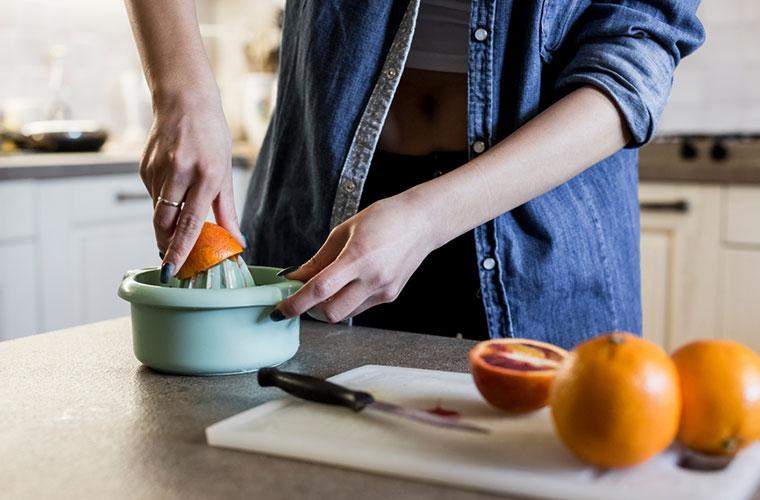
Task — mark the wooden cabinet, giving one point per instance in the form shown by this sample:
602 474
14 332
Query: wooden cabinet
700 262
740 295
680 243
740 265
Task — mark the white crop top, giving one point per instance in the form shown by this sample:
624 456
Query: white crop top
441 37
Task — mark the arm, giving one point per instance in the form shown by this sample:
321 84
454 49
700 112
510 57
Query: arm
576 132
368 259
616 83
188 155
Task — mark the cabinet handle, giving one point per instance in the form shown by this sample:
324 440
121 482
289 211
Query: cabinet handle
124 197
679 206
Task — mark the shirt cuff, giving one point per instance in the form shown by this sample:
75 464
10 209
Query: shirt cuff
636 73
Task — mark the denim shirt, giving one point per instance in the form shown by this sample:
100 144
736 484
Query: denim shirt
562 267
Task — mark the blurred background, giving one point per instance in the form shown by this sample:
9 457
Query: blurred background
74 221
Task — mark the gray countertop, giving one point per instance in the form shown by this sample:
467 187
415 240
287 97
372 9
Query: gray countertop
63 165
80 417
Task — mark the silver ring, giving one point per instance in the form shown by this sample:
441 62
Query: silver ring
164 201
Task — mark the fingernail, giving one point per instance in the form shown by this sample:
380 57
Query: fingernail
167 271
276 315
287 270
161 254
245 241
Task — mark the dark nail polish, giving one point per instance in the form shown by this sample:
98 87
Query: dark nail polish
276 315
162 255
167 271
287 270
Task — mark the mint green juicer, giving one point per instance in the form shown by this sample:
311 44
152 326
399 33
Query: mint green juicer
209 328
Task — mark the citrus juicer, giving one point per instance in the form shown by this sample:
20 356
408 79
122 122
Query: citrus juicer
229 273
213 318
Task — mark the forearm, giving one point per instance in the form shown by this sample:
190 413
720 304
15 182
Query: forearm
579 130
172 53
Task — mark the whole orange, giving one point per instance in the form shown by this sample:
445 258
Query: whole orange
720 383
515 374
213 245
616 400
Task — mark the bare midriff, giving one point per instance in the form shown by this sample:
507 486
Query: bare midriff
429 113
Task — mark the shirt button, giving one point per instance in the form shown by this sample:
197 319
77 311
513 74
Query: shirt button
488 263
478 146
349 186
481 34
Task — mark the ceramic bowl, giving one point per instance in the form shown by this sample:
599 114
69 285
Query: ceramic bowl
209 332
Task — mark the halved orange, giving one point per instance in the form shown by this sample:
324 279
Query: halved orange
515 374
213 246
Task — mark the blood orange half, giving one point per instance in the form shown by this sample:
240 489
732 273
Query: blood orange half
515 374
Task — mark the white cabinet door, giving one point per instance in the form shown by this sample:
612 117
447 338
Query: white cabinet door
680 238
741 296
740 286
91 231
18 287
103 253
655 284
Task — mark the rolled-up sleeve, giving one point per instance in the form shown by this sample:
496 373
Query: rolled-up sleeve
629 50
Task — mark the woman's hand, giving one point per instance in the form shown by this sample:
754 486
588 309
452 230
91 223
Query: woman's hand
188 159
365 261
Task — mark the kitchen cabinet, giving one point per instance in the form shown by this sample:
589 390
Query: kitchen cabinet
680 240
18 291
700 263
740 265
101 227
18 262
66 245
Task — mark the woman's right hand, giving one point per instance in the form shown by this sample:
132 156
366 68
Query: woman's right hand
188 159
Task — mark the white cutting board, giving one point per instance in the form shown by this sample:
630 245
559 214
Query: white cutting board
520 456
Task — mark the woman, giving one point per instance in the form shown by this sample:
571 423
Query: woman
473 160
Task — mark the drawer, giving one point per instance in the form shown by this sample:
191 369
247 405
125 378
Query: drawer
741 215
17 205
113 197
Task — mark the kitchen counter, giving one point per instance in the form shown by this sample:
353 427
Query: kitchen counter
63 165
80 417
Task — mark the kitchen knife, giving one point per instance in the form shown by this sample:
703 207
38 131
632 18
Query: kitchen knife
321 391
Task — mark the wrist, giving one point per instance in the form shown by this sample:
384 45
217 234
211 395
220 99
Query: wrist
431 221
192 93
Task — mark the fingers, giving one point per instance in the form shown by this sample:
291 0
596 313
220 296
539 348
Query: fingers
188 226
318 289
340 305
224 210
368 304
324 256
165 216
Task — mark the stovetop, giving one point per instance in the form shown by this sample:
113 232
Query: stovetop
723 158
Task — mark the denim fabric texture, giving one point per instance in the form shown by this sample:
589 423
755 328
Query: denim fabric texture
561 268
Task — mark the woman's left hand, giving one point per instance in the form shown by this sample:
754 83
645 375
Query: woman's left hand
365 261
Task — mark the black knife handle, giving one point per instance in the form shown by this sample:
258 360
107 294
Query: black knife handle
314 389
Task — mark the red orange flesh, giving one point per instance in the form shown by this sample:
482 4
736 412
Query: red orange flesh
515 374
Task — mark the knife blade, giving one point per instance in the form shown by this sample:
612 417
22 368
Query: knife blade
321 391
